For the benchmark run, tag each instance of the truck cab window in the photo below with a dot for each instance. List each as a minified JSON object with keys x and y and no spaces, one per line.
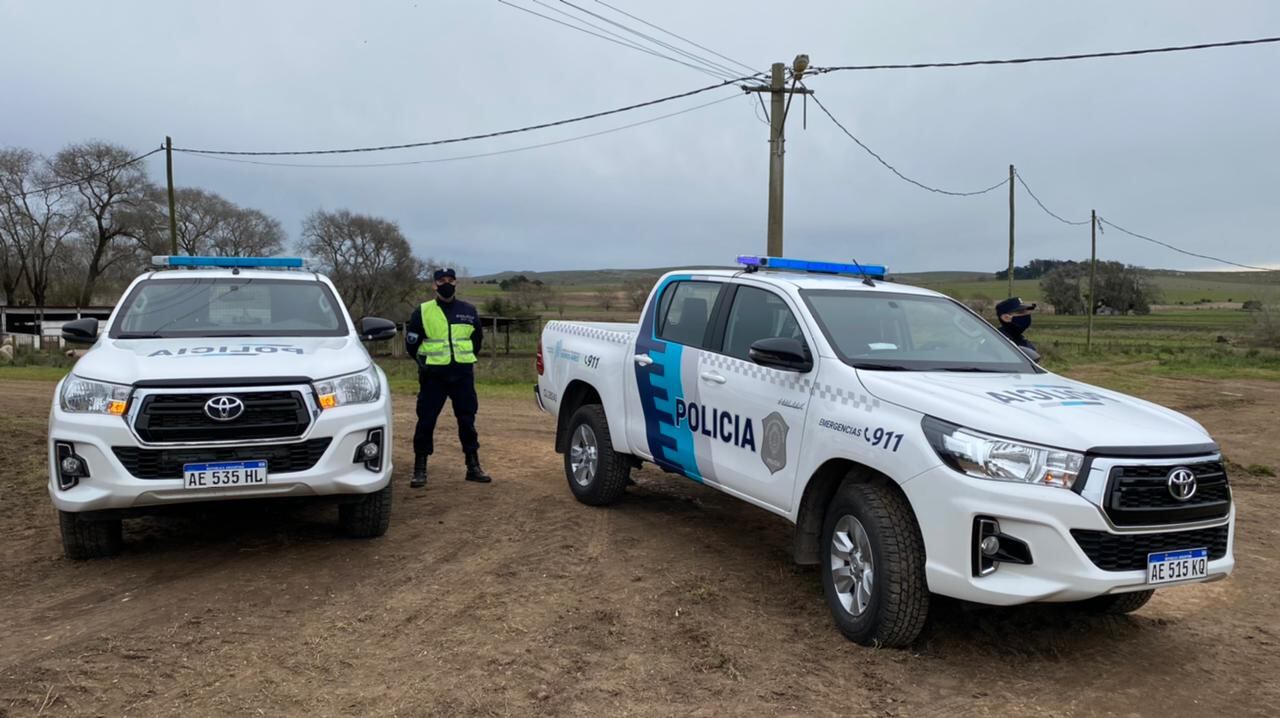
{"x":757,"y":314}
{"x":685,"y":311}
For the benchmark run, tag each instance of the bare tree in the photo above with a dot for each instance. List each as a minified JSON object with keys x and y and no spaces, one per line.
{"x":34,"y":223}
{"x":605,"y":298}
{"x":247,"y":233}
{"x":368,"y":259}
{"x":637,"y":292}
{"x":109,"y":197}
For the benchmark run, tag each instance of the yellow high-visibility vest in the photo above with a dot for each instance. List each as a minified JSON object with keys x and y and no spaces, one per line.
{"x":444,"y":342}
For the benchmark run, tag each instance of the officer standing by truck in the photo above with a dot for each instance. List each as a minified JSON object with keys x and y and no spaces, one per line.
{"x":1015,"y":320}
{"x":444,"y":336}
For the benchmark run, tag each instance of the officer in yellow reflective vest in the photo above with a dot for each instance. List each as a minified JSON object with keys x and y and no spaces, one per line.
{"x":444,"y":336}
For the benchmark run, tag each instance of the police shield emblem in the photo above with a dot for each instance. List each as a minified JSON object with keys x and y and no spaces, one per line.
{"x":773,"y":450}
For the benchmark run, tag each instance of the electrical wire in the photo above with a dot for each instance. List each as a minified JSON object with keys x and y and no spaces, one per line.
{"x":1046,"y":209}
{"x":78,"y":180}
{"x":704,"y":48}
{"x":894,"y":170}
{"x":692,"y":56}
{"x":1055,"y":58}
{"x":620,"y":41}
{"x":1112,"y":225}
{"x":477,"y":155}
{"x":468,"y":138}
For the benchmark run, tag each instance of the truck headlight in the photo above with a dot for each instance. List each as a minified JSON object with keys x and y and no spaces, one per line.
{"x":990,"y":457}
{"x":86,"y":396}
{"x":361,"y":387}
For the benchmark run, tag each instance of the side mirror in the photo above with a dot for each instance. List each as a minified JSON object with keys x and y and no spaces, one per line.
{"x":377,"y":329}
{"x":1032,"y":354}
{"x":80,"y":331}
{"x":781,"y":353}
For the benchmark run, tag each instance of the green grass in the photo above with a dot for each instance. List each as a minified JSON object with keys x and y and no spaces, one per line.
{"x":33,"y":373}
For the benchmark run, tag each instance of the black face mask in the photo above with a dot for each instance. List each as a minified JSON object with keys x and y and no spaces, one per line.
{"x":1023,"y":322}
{"x":446,"y":291}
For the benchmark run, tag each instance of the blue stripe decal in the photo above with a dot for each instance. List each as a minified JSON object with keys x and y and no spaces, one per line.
{"x":660,"y":385}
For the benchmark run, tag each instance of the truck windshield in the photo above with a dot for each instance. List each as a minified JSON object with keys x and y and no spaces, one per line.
{"x":252,"y":307}
{"x":911,"y":332}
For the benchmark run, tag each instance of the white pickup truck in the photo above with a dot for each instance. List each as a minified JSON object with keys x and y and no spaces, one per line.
{"x":217,"y":379}
{"x":916,"y":450}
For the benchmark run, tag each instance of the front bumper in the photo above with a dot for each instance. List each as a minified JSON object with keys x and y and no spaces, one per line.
{"x":111,"y":486}
{"x":947,"y":503}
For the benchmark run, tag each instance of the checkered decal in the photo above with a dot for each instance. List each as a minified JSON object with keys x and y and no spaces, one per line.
{"x":846,"y":397}
{"x":787,"y":380}
{"x":590,"y":332}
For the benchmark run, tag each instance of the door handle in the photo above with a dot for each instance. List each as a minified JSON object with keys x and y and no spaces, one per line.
{"x":712,"y":377}
{"x":643,"y":359}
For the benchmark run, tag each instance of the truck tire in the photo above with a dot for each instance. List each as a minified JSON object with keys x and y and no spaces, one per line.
{"x":1117,"y":604}
{"x":85,"y":538}
{"x":873,"y":566}
{"x":596,"y":473}
{"x":369,"y":517}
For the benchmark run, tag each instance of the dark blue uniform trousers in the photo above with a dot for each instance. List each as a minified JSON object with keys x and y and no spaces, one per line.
{"x":434,"y":387}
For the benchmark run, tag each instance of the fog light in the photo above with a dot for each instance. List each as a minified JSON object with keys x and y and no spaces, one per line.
{"x":990,"y":545}
{"x":70,"y":466}
{"x":369,"y":452}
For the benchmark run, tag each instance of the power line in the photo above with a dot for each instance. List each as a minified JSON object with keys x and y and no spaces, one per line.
{"x":1056,"y":58}
{"x":481,"y":154}
{"x":693,"y":56}
{"x":894,"y":170}
{"x":78,"y":180}
{"x":621,"y":41}
{"x":704,"y":48}
{"x":1103,"y":220}
{"x":1046,"y":209}
{"x":469,"y":138}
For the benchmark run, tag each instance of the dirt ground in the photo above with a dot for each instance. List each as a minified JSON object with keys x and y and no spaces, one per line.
{"x":513,"y":599}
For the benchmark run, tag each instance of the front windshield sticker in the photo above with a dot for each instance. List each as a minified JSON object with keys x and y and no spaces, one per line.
{"x":1049,"y":395}
{"x":228,"y":350}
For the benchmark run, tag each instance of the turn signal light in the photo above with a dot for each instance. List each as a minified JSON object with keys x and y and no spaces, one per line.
{"x":116,"y":408}
{"x":328,"y":401}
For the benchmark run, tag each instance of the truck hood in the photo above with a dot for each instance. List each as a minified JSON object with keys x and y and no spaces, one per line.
{"x":128,"y":361}
{"x":1039,"y":408}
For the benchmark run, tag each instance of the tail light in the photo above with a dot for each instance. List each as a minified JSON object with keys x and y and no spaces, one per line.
{"x":538,"y":360}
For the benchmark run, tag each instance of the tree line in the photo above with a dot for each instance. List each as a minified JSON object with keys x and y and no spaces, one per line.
{"x":77,"y":226}
{"x":1119,"y":287}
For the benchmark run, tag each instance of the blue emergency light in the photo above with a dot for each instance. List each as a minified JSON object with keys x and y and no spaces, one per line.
{"x":753,"y":262}
{"x":230,"y":262}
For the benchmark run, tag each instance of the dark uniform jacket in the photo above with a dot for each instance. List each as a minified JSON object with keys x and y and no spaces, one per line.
{"x":1009,"y":331}
{"x":457,"y":312}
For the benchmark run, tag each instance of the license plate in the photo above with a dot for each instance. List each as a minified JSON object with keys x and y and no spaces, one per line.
{"x":1169,"y":566}
{"x":226,"y":474}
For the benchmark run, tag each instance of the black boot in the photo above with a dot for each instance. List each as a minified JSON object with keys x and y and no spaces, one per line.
{"x":419,"y":473}
{"x":474,"y":472}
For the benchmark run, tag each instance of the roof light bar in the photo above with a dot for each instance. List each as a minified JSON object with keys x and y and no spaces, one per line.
{"x":875,"y":271}
{"x":231,"y":262}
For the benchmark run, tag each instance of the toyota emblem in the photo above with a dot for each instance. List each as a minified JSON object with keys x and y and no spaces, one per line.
{"x":226,"y":408}
{"x":1182,"y":483}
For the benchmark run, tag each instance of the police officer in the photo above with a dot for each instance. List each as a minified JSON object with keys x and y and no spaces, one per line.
{"x":444,"y":336}
{"x":1015,"y":320}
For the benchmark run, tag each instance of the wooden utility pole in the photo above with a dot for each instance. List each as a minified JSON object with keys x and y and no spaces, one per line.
{"x":778,"y":91}
{"x":1011,"y":181}
{"x":173,"y":219}
{"x":777,"y":146}
{"x":1093,"y":272}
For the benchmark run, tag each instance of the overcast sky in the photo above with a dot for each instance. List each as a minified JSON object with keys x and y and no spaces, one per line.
{"x":1182,"y":147}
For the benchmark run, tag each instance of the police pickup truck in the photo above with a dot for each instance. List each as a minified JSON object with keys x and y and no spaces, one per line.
{"x":220,"y":378}
{"x":916,"y":450}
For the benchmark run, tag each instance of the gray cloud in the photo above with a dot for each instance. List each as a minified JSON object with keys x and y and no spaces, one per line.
{"x":1182,"y":147}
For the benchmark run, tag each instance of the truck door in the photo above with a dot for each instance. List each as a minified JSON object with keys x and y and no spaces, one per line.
{"x":673,"y":332}
{"x":753,"y":415}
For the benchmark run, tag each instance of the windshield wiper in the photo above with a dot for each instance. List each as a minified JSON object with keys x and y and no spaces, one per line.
{"x":139,"y":335}
{"x":880,"y":367}
{"x":976,"y":369}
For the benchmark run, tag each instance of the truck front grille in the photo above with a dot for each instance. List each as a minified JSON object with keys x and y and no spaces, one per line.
{"x":1128,"y":552}
{"x":178,"y":418}
{"x":167,"y":463}
{"x":1139,"y":495}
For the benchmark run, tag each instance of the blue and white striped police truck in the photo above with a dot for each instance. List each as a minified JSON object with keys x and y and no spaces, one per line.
{"x":916,"y":449}
{"x":217,"y":379}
